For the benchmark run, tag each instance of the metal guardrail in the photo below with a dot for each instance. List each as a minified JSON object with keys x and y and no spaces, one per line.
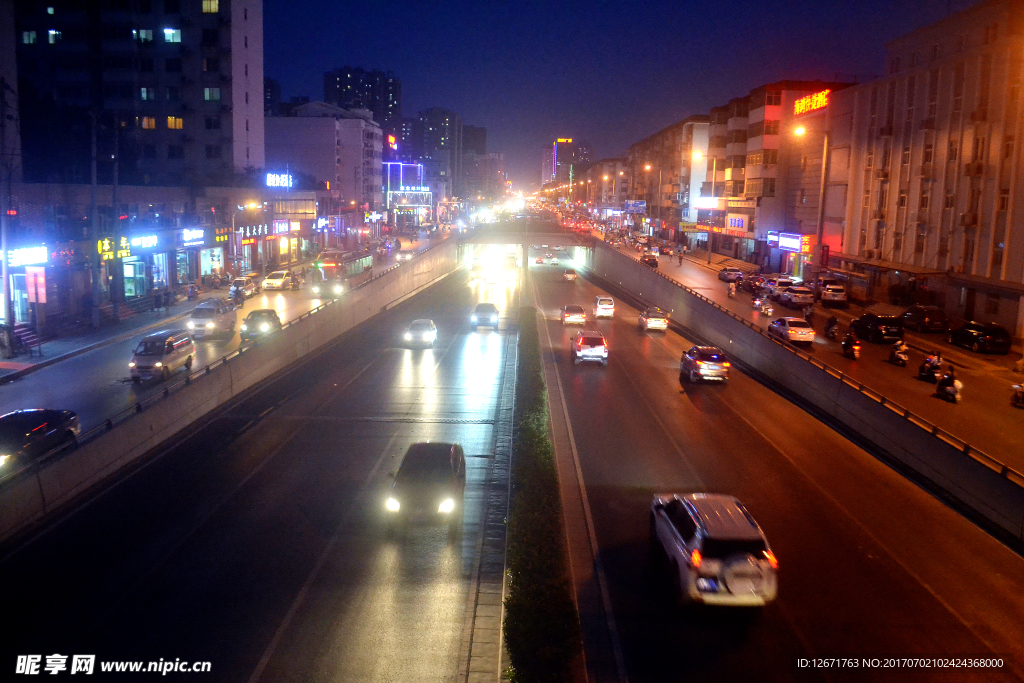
{"x":956,"y":442}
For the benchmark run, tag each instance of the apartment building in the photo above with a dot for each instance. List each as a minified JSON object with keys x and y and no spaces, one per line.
{"x":607,"y":183}
{"x":373,"y":89}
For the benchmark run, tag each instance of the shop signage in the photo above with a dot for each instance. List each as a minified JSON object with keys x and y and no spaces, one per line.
{"x":248,"y":240}
{"x":221,"y":234}
{"x":706,"y":202}
{"x":809,"y":103}
{"x":790,"y":241}
{"x":374,"y":216}
{"x":414,"y":188}
{"x":295,"y":226}
{"x":250,"y":231}
{"x":110,"y":248}
{"x":35,"y":281}
{"x":191,"y":237}
{"x":564,"y":139}
{"x":27,"y":256}
{"x":279,"y":180}
{"x":773,"y":238}
{"x":321,"y":223}
{"x":806,"y":243}
{"x":735,"y":222}
{"x":280,"y":226}
{"x":635,"y":206}
{"x":143,"y":242}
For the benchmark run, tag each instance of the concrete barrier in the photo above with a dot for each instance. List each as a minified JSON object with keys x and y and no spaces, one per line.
{"x":975,"y":479}
{"x":104,"y":451}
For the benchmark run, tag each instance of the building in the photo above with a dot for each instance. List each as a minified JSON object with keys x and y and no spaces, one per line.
{"x":175,"y":89}
{"x":563,"y":156}
{"x":335,"y":146}
{"x":354,"y":88}
{"x":441,"y":142}
{"x":607,"y":182}
{"x":407,"y":196}
{"x":547,"y":172}
{"x":474,"y":140}
{"x":271,"y":97}
{"x":483,"y":176}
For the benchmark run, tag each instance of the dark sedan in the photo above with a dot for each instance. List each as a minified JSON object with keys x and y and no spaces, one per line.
{"x":925,"y":319}
{"x":981,"y":337}
{"x":878,"y":328}
{"x":260,"y":322}
{"x":28,"y":434}
{"x":650,"y":260}
{"x":751,"y":283}
{"x":429,"y":486}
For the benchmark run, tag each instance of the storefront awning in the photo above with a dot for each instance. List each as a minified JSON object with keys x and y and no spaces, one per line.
{"x":882,"y":264}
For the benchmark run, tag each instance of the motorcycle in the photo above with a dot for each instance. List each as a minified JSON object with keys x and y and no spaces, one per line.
{"x":851,"y":349}
{"x":832,"y":332}
{"x":193,"y":292}
{"x":950,"y":392}
{"x":1017,"y":398}
{"x":898,"y":357}
{"x":930,"y":370}
{"x":766,"y":309}
{"x":756,"y":302}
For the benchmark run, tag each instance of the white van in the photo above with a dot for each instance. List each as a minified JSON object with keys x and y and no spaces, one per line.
{"x":604,"y":307}
{"x":160,"y":354}
{"x":213,"y":317}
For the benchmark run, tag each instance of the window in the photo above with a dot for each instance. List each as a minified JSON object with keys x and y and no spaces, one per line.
{"x":949,"y":202}
{"x":1004,"y":199}
{"x":919,"y":241}
{"x":147,"y":94}
{"x":211,"y":36}
{"x":1008,"y":147}
{"x":247,"y":125}
{"x":926,"y":198}
{"x":867,"y":199}
{"x":883,"y":196}
{"x":211,"y":94}
{"x":958,"y":88}
{"x":869,"y":158}
{"x":175,"y":152}
{"x":979,"y":149}
{"x":247,"y":98}
{"x":146,"y":65}
{"x":771,"y":127}
{"x":905,"y":157}
{"x":143,"y":35}
{"x":172,"y":65}
{"x":935,"y":51}
{"x":952,"y":151}
{"x":149,"y":151}
{"x":173,"y":94}
{"x":246,"y":69}
{"x":245,"y":14}
{"x":53,"y":36}
{"x":245,"y":41}
{"x":928,"y":153}
{"x":28,"y":37}
{"x":211,"y":6}
{"x":172,"y":35}
{"x":992,"y":300}
{"x":213,"y":151}
{"x":886,"y":153}
{"x":147,"y":122}
{"x":211,"y":64}
{"x":933,"y":93}
{"x":212,"y":123}
{"x":175,"y":122}
{"x":901,"y":199}
{"x":172,"y":6}
{"x":773,"y":99}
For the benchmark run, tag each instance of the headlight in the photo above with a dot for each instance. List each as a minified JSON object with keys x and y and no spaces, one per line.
{"x":494,"y":318}
{"x":408,"y":336}
{"x":472,"y":318}
{"x":158,"y":364}
{"x":131,"y":364}
{"x":209,"y":326}
{"x":337,"y":289}
{"x":430,"y":336}
{"x":446,"y":506}
{"x":264,"y":327}
{"x":392,"y":505}
{"x":316,"y":290}
{"x":244,"y":327}
{"x":3,"y":459}
{"x":191,"y":325}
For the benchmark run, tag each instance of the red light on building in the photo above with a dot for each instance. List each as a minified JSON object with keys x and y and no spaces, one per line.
{"x":12,"y":212}
{"x":812,"y":102}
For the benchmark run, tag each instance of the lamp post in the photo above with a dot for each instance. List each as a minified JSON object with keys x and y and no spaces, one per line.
{"x":816,"y":263}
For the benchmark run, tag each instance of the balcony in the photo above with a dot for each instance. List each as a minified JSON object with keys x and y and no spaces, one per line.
{"x":974,"y":168}
{"x":881,"y":173}
{"x":878,"y":214}
{"x":885,"y":131}
{"x":969,"y":219}
{"x":928,"y":124}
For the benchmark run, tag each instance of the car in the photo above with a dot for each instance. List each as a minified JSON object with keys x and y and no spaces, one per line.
{"x":261,"y":322}
{"x":775,"y":286}
{"x":161,"y":353}
{"x":569,"y":275}
{"x":649,"y":260}
{"x":717,"y":553}
{"x":404,"y":255}
{"x":589,"y":346}
{"x":257,"y":281}
{"x":981,"y":337}
{"x":476,"y":271}
{"x":729,"y":274}
{"x":821,"y":283}
{"x":422,"y":332}
{"x":25,"y":435}
{"x":555,"y":261}
{"x":878,"y":328}
{"x":484,"y":315}
{"x":428,"y":486}
{"x":925,"y":319}
{"x":244,"y":285}
{"x":212,"y":317}
{"x":703,"y":363}
{"x":795,"y":330}
{"x":832,"y":295}
{"x":796,"y":296}
{"x":604,"y":307}
{"x":751,"y":283}
{"x":653,"y":318}
{"x":279,"y":279}
{"x":573,"y":314}
{"x":323,"y":289}
{"x":539,"y":260}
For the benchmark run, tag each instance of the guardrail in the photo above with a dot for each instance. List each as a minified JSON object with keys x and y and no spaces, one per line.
{"x":966,"y":448}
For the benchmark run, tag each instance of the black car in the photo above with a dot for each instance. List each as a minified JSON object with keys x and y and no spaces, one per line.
{"x":261,"y":322}
{"x":751,"y":283}
{"x":650,"y":260}
{"x":925,"y":319}
{"x":484,"y":315}
{"x":28,"y":434}
{"x":429,"y":485}
{"x":983,"y":337}
{"x":878,"y":328}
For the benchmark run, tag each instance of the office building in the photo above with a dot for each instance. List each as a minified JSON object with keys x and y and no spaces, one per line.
{"x":440,"y":142}
{"x":373,"y":89}
{"x":474,"y":139}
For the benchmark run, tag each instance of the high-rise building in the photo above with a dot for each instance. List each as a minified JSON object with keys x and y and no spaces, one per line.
{"x":441,"y":141}
{"x":175,"y":89}
{"x":563,"y":156}
{"x":474,"y":139}
{"x":547,"y":172}
{"x":484,"y":176}
{"x":666,"y":170}
{"x":354,"y":88}
{"x":271,"y":97}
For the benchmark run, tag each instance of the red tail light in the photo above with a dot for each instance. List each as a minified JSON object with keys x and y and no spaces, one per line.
{"x":770,"y":556}
{"x":726,"y":364}
{"x":695,"y":559}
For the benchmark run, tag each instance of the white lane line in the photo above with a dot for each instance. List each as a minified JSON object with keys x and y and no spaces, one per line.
{"x":602,"y":581}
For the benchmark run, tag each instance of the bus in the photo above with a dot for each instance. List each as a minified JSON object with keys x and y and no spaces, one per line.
{"x":336,"y":272}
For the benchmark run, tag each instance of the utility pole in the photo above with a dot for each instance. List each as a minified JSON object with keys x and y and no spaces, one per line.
{"x":94,"y":228}
{"x":7,"y":166}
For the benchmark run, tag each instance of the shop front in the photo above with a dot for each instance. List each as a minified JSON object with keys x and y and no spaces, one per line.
{"x":791,"y":253}
{"x":193,"y":257}
{"x":27,"y":268}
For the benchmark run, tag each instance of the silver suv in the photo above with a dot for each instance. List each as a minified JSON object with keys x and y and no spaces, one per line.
{"x":589,"y":346}
{"x":717,"y":552}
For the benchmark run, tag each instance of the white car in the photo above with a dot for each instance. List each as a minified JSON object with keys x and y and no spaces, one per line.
{"x":404,"y":255}
{"x":795,"y":330}
{"x":796,"y":296}
{"x":775,"y":286}
{"x":604,"y":307}
{"x":717,"y":553}
{"x":730,"y":274}
{"x":589,"y":346}
{"x":420,"y":332}
{"x":569,"y":275}
{"x":279,"y":279}
{"x":244,"y":285}
{"x":833,"y":295}
{"x":653,"y":318}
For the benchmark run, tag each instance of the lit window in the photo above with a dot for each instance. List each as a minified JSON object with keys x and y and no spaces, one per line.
{"x":172,"y":35}
{"x":211,"y":6}
{"x":148,"y":122}
{"x":28,"y":37}
{"x":54,"y":35}
{"x":211,"y":94}
{"x":147,"y":94}
{"x":49,"y":10}
{"x":144,"y":35}
{"x":175,"y":122}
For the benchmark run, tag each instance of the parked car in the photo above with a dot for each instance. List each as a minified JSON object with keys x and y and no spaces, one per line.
{"x":421,"y":332}
{"x":653,"y":318}
{"x":925,"y":319}
{"x":650,"y":260}
{"x":213,"y":317}
{"x":717,"y":553}
{"x":569,"y":275}
{"x":161,"y":353}
{"x":278,"y":280}
{"x":774,"y":286}
{"x":589,"y":346}
{"x":259,"y":323}
{"x":428,"y":486}
{"x":878,"y":328}
{"x":257,"y":280}
{"x":796,"y":296}
{"x":981,"y":337}
{"x":751,"y":283}
{"x":821,"y":283}
{"x":729,"y":274}
{"x":604,"y":307}
{"x":833,"y":295}
{"x":703,"y":362}
{"x":244,"y":285}
{"x":795,"y":330}
{"x":28,"y":434}
{"x":573,"y":314}
{"x":484,"y":315}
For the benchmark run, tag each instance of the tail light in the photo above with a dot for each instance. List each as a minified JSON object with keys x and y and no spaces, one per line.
{"x":770,"y":556}
{"x":726,"y":364}
{"x":698,"y":362}
{"x":695,"y":559}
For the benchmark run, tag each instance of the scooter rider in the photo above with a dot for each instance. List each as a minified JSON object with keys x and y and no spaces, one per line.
{"x":731,"y":289}
{"x":849,"y":341}
{"x":948,"y":381}
{"x":900,"y":347}
{"x":831,"y":324}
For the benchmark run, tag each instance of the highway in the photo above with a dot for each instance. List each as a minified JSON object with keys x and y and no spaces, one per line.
{"x":870,"y":564}
{"x":258,"y":544}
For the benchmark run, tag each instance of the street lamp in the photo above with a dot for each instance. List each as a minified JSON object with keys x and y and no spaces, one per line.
{"x":816,"y":263}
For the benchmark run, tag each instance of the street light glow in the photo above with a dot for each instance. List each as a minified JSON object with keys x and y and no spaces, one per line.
{"x":647,"y":167}
{"x":800,"y":130}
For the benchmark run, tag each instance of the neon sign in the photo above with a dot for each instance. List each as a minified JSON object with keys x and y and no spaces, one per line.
{"x":191,"y":237}
{"x":280,"y":226}
{"x":279,"y":180}
{"x":144,"y":242}
{"x":812,"y":102}
{"x":27,"y":256}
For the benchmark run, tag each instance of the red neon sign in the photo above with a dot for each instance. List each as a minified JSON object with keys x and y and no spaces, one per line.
{"x":812,"y":102}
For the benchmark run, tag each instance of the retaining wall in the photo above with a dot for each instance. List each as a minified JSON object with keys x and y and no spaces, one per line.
{"x":106,"y":450}
{"x":979,"y":481}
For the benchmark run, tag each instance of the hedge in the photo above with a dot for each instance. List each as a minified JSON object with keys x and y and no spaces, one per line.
{"x":542,"y":629}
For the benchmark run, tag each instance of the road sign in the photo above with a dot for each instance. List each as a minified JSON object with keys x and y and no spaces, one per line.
{"x":635,"y":206}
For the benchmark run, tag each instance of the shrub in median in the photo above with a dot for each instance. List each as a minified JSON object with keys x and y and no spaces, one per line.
{"x":542,"y":630}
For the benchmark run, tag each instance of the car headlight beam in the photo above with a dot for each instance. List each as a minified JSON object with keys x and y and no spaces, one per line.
{"x":264,"y":327}
{"x":392,"y":505}
{"x":446,"y":506}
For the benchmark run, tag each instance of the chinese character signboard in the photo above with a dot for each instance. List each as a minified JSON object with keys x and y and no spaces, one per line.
{"x":111,"y":248}
{"x":809,"y":103}
{"x":789,"y":241}
{"x":35,"y":281}
{"x":635,"y":206}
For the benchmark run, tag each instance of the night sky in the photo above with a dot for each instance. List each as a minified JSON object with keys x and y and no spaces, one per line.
{"x":610,"y":73}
